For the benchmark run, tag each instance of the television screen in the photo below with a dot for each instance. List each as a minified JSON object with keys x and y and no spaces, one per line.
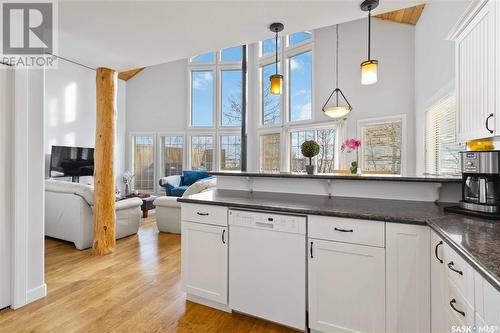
{"x":71,"y":161}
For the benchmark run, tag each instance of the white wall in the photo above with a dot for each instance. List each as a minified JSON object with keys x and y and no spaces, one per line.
{"x":70,"y":112}
{"x":434,"y":62}
{"x":157,"y":97}
{"x":6,"y":91}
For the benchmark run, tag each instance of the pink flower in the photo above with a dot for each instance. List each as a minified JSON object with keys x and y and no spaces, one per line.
{"x":350,"y":145}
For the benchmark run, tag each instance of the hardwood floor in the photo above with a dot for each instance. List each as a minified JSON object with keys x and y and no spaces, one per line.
{"x":135,"y":289}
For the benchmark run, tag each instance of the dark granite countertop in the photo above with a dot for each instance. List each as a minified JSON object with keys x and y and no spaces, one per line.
{"x":475,"y":239}
{"x":343,"y":176}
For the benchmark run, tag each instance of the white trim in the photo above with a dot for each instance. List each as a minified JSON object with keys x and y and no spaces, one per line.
{"x":470,"y":13}
{"x":383,"y":120}
{"x":131,"y":156}
{"x":36,"y":293}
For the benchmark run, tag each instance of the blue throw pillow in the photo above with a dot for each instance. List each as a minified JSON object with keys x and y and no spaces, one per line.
{"x":178,"y":191}
{"x":192,"y":176}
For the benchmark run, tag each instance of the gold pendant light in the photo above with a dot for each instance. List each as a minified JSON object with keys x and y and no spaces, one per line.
{"x":337,"y":106}
{"x":369,"y":67}
{"x":276,"y":79}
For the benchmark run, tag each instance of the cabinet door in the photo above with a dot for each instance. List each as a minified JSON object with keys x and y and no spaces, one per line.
{"x":438,"y":314}
{"x":475,"y":70}
{"x":346,"y":287}
{"x":204,"y":261}
{"x":487,"y":302}
{"x":408,"y":278}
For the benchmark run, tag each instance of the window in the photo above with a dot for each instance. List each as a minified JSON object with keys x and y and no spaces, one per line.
{"x":202,"y":152}
{"x":202,"y":94}
{"x":230,"y":152}
{"x":298,"y":37}
{"x":231,"y":91}
{"x":271,"y":104}
{"x":300,"y":83}
{"x":297,"y":161}
{"x":441,"y":147}
{"x":381,"y":147}
{"x":172,"y":147}
{"x":207,"y":58}
{"x":143,"y":162}
{"x":268,"y":46}
{"x":270,"y":152}
{"x":232,"y":54}
{"x":325,"y":159}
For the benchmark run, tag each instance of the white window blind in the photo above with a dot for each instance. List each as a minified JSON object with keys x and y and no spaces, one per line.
{"x":441,"y":148}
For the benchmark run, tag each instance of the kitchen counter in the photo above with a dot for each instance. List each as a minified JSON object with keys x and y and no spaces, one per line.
{"x":343,"y":176}
{"x":477,"y":240}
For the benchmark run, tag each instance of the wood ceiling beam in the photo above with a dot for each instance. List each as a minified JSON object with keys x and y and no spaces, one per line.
{"x":127,"y":75}
{"x":409,"y":15}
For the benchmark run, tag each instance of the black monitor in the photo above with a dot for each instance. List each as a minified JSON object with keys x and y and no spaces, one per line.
{"x":71,"y":162}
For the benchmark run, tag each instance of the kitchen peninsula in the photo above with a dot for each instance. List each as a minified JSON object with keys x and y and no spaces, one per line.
{"x":393,"y":262}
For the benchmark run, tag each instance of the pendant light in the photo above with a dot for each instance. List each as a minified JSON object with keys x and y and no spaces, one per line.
{"x":369,"y":67}
{"x":337,"y":105}
{"x":276,"y":79}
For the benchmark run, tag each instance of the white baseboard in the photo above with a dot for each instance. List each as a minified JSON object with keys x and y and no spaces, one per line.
{"x":36,"y":293}
{"x":206,"y":302}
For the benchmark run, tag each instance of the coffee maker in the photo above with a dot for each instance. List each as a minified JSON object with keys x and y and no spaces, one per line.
{"x":481,"y":182}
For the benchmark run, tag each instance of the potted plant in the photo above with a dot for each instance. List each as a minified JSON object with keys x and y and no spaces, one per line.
{"x":349,"y":146}
{"x":310,"y":149}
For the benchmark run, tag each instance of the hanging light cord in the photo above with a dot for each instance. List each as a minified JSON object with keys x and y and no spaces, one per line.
{"x":276,"y":51}
{"x":369,"y":30}
{"x":337,"y":64}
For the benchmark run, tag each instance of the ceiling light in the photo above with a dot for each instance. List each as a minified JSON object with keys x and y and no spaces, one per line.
{"x":369,"y":67}
{"x":276,"y":79}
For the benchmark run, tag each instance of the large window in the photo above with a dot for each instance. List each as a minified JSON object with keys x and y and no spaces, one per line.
{"x":270,"y":152}
{"x":230,"y":152}
{"x":202,"y":94}
{"x":232,"y":54}
{"x":268,"y":47}
{"x":300,"y":83}
{"x":381,"y":146}
{"x":298,"y":37}
{"x":206,"y":58}
{"x":202,"y":152}
{"x":231,"y":97}
{"x":441,"y":147}
{"x":143,"y":159}
{"x":172,"y":147}
{"x":271,"y":104}
{"x":324,"y":161}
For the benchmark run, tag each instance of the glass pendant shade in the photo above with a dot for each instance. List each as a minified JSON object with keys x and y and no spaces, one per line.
{"x":336,"y":105}
{"x":276,"y":84}
{"x":369,"y":72}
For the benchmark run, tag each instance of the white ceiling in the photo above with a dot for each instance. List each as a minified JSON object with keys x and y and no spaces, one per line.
{"x":128,"y":34}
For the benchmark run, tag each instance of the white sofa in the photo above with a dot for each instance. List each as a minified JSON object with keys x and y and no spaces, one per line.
{"x":168,"y":210}
{"x":68,"y":213}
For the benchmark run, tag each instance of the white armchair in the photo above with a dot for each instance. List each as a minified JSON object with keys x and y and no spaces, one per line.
{"x":168,"y":210}
{"x":69,"y":216}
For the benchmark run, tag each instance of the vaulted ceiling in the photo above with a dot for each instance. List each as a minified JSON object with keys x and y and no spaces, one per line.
{"x":409,"y":15}
{"x":125,"y":35}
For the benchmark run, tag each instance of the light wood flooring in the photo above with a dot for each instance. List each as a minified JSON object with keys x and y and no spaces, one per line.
{"x":135,"y":289}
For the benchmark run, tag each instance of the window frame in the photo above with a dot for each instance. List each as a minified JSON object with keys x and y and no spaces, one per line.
{"x":160,"y":152}
{"x":131,"y":158}
{"x":219,"y":150}
{"x":221,"y":68}
{"x":229,"y":63}
{"x":288,"y":45}
{"x":201,"y":68}
{"x":191,"y":62}
{"x":385,"y":120}
{"x":295,"y":51}
{"x":215,"y":163}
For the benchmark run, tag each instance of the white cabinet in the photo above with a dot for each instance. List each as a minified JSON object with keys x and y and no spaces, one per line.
{"x":408,"y":278}
{"x":204,"y":266}
{"x":476,"y":55}
{"x":346,"y":287}
{"x":438,"y":313}
{"x":487,"y":300}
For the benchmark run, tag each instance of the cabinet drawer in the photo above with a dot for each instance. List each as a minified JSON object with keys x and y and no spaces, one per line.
{"x":207,"y":214}
{"x":458,"y":272}
{"x":347,"y":230}
{"x":459,"y":312}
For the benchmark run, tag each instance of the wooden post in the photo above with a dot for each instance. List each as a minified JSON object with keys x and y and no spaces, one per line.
{"x":104,"y":179}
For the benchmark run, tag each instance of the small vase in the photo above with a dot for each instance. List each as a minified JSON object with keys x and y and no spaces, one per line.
{"x":310,"y":169}
{"x":354,"y":170}
{"x":126,"y":189}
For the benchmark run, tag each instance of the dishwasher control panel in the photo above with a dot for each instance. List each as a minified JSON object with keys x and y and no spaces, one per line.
{"x":270,"y":221}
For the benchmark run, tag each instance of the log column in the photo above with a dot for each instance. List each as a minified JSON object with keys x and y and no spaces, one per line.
{"x":104,"y":179}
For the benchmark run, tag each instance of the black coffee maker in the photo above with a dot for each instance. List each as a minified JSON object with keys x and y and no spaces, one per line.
{"x":481,"y":181}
